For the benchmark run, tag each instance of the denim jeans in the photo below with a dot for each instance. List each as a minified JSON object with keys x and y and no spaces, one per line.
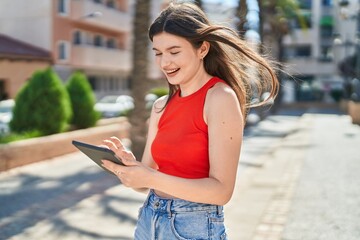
{"x":176,"y":219}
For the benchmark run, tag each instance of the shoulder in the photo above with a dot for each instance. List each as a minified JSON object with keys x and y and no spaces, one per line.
{"x":158,"y":107}
{"x":160,"y":103}
{"x":221,"y":93}
{"x":222,"y":102}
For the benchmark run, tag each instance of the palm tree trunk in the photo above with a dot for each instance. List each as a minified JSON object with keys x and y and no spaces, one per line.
{"x":139,"y":81}
{"x":241,"y":12}
{"x":199,"y":3}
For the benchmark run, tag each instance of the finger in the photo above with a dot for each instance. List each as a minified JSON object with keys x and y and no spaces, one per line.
{"x":110,"y":144}
{"x":117,"y":142}
{"x":113,"y":167}
{"x":128,"y":158}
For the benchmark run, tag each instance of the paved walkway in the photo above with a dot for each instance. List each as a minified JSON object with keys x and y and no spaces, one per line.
{"x":70,"y":198}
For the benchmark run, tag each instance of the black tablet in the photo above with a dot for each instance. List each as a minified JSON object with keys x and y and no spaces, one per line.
{"x":97,"y":153}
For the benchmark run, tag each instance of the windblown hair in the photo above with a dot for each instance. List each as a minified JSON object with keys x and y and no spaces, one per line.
{"x":229,"y":58}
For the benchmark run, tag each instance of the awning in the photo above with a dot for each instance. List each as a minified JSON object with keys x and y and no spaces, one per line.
{"x":327,"y":21}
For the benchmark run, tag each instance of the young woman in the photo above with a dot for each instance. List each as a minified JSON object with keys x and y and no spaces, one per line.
{"x":195,"y":133}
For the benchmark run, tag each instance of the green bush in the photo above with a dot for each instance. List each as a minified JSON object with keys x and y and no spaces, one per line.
{"x":42,"y":104}
{"x":160,"y":91}
{"x":82,"y":101}
{"x":12,"y":137}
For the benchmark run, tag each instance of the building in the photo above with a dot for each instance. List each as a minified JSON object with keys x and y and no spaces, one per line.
{"x":18,"y":61}
{"x":93,"y":36}
{"x":312,"y":55}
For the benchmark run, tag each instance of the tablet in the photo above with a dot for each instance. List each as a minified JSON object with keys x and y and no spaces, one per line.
{"x":97,"y":153}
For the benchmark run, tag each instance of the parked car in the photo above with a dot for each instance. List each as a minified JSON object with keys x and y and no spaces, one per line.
{"x":6,"y":107}
{"x":114,"y":105}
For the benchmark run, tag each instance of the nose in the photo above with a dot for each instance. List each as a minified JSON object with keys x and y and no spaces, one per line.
{"x":165,"y":61}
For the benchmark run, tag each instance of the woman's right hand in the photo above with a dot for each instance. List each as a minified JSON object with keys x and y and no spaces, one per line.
{"x":134,"y":174}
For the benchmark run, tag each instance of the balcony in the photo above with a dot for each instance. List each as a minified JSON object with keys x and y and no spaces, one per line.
{"x":87,"y":56}
{"x":111,"y":18}
{"x":309,"y":66}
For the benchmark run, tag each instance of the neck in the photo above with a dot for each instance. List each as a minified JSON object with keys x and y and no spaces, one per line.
{"x":194,"y":85}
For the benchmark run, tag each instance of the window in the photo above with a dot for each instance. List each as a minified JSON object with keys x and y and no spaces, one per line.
{"x":110,"y":43}
{"x":93,"y":82}
{"x":304,"y":20}
{"x":77,"y":38}
{"x":3,"y":94}
{"x":63,"y":7}
{"x":305,"y":4}
{"x":110,"y":3}
{"x":63,"y":49}
{"x":326,"y":32}
{"x":325,"y":54}
{"x":327,"y":3}
{"x":303,"y":51}
{"x":98,"y":41}
{"x":297,"y":51}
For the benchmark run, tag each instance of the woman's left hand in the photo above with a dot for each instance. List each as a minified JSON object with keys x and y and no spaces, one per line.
{"x":134,"y":174}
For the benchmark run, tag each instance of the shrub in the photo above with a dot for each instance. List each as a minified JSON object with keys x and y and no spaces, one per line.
{"x":12,"y":137}
{"x":159,"y":91}
{"x":82,"y":101}
{"x":42,"y":104}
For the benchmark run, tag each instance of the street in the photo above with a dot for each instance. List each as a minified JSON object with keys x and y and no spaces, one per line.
{"x":297,"y":179}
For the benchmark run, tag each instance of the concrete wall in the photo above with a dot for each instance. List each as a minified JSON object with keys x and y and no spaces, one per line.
{"x":38,"y":149}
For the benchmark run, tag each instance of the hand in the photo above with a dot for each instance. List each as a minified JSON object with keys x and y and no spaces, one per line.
{"x":134,"y":174}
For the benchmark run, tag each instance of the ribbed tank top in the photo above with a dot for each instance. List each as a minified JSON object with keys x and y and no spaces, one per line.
{"x":180,"y":147}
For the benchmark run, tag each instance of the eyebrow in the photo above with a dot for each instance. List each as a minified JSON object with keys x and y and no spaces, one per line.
{"x":168,"y":49}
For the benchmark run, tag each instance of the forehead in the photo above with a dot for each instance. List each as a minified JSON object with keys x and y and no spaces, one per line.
{"x":165,"y":40}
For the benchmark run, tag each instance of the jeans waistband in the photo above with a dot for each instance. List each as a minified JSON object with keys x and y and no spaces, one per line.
{"x":178,"y":205}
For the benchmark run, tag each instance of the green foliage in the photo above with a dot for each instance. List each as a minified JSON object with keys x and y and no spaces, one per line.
{"x":12,"y":137}
{"x":82,"y":101}
{"x":42,"y":104}
{"x":160,"y":91}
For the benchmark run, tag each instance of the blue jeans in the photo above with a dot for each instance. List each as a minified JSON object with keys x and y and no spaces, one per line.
{"x":171,"y":219}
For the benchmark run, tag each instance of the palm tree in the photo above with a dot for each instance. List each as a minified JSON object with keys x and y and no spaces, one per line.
{"x":274,"y":25}
{"x":241,"y":12}
{"x":139,"y":81}
{"x":199,"y":3}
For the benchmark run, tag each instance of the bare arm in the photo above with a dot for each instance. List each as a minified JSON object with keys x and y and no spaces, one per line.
{"x":225,"y":126}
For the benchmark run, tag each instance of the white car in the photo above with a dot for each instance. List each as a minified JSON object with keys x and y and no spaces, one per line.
{"x":114,"y":106}
{"x":6,"y":107}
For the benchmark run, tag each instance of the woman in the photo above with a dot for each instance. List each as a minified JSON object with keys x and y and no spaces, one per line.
{"x":195,"y":133}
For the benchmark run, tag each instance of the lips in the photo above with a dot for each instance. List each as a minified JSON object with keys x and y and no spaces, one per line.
{"x":172,"y":71}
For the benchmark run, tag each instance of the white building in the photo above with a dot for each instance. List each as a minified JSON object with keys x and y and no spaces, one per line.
{"x":312,"y":55}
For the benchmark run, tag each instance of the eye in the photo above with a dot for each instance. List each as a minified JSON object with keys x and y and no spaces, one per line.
{"x":174,"y":53}
{"x":158,"y":53}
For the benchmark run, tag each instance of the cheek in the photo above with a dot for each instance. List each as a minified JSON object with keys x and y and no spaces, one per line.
{"x":158,"y":61}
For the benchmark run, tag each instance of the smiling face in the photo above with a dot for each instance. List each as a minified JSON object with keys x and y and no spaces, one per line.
{"x":178,"y":59}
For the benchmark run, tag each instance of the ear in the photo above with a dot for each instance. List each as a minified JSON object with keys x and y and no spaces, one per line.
{"x":204,"y":49}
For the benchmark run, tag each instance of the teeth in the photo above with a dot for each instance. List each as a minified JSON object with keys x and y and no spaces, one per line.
{"x":171,"y":71}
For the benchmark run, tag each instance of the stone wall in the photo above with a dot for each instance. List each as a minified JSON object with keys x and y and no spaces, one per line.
{"x":28,"y":151}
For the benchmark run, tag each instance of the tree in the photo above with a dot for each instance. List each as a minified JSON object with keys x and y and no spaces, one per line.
{"x":42,"y":105}
{"x":139,"y":115}
{"x":241,"y":12}
{"x":274,"y":25}
{"x":82,"y":101}
{"x":199,"y":3}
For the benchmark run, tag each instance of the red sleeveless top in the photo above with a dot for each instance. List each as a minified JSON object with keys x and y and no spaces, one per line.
{"x":180,"y":147}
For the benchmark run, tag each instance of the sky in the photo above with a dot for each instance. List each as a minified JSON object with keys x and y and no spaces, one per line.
{"x":227,"y":2}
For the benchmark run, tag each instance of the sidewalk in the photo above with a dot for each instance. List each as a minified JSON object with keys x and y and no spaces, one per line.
{"x":307,"y":189}
{"x":58,"y":199}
